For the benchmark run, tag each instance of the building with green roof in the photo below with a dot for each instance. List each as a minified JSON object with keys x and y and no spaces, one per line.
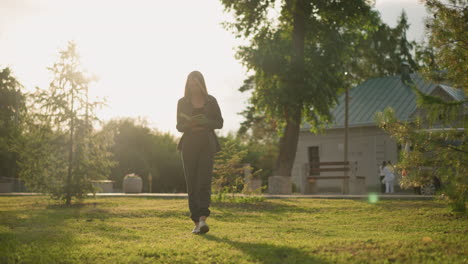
{"x":368,"y":145}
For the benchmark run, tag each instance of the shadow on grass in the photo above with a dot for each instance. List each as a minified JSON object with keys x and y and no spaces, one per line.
{"x":37,"y":234}
{"x":268,"y":253}
{"x":409,"y":204}
{"x":144,"y":197}
{"x":232,"y":210}
{"x":49,"y":232}
{"x":264,"y":206}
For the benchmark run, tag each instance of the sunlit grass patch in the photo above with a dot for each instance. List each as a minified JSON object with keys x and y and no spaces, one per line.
{"x":149,"y":230}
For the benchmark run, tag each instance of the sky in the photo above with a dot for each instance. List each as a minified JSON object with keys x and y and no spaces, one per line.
{"x":142,"y":50}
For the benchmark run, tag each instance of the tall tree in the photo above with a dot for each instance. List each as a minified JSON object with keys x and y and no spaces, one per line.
{"x":382,"y":51}
{"x":297,"y":58}
{"x":62,"y":126}
{"x":12,"y":107}
{"x":405,"y":48}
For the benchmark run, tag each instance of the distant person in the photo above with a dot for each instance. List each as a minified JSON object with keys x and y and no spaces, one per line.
{"x":198,"y":114}
{"x":382,"y":175}
{"x":390,"y":165}
{"x":389,"y":178}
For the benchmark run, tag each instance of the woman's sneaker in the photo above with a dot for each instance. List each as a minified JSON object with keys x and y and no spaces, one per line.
{"x":203,"y":227}
{"x":196,"y":229}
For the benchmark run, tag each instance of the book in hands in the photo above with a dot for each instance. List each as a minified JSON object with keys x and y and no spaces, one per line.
{"x":199,"y":119}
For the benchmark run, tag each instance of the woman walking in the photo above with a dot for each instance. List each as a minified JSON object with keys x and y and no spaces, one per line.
{"x":198,"y":114}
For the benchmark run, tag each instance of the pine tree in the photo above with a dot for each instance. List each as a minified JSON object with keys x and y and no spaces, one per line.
{"x":61,"y":153}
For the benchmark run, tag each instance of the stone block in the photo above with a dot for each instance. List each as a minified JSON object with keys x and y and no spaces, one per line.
{"x":132,"y":184}
{"x":279,"y":185}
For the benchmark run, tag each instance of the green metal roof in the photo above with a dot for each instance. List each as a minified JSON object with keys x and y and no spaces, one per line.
{"x":376,"y":94}
{"x":457,"y":94}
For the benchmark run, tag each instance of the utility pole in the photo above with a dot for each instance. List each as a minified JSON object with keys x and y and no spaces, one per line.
{"x":345,"y":158}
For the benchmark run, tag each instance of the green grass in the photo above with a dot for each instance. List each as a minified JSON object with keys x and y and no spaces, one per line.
{"x":155,"y":230}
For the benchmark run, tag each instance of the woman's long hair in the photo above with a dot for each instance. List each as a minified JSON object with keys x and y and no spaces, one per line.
{"x":195,"y":76}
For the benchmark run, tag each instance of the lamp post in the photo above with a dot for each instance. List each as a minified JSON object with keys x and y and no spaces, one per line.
{"x":345,"y":158}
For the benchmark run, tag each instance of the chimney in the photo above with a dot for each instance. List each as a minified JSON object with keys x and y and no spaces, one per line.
{"x":405,"y":72}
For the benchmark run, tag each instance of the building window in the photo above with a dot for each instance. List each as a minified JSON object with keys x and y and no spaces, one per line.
{"x":314,"y":161}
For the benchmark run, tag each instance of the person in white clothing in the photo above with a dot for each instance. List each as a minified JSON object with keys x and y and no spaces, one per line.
{"x":389,"y":179}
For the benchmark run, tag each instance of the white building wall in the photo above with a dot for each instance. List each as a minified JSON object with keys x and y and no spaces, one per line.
{"x":369,"y":146}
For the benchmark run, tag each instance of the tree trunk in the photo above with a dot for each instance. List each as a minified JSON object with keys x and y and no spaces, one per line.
{"x":288,"y":145}
{"x":70,"y":154}
{"x":288,"y":141}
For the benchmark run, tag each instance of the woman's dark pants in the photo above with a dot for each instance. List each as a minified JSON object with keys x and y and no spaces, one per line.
{"x":197,"y":157}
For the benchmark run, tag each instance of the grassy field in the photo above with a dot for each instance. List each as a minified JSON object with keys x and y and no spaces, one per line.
{"x":155,"y":230}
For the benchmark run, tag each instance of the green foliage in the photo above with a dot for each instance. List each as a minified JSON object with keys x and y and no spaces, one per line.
{"x":261,"y":155}
{"x":12,"y":110}
{"x":443,"y":59}
{"x":143,"y":151}
{"x":337,"y":54}
{"x":250,"y":16}
{"x":228,"y":171}
{"x":59,"y":152}
{"x":438,"y":111}
{"x":369,"y":51}
{"x":270,"y":57}
{"x":239,"y":155}
{"x":446,"y":51}
{"x":439,"y":153}
{"x":404,"y":48}
{"x":382,"y":50}
{"x":256,"y":125}
{"x":42,"y":162}
{"x":429,"y":154}
{"x":338,"y":40}
{"x":302,"y":54}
